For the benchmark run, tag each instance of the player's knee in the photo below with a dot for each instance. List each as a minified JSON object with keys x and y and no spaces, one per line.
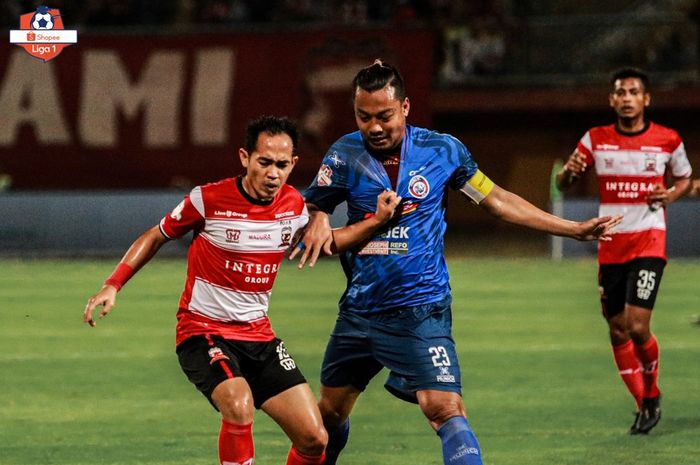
{"x":312,"y":442}
{"x":333,"y":414}
{"x":618,"y":334}
{"x":238,"y":409}
{"x":639,"y":331}
{"x":438,"y":413}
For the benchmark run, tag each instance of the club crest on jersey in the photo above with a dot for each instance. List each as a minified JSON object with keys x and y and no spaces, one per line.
{"x":286,"y":236}
{"x":324,"y":176}
{"x":233,"y":235}
{"x":216,"y":354}
{"x":650,"y":162}
{"x":418,"y":187}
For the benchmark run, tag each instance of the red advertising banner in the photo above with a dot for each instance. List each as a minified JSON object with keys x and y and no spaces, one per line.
{"x":155,"y":111}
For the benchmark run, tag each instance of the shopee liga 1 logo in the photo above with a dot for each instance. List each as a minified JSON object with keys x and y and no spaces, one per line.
{"x":41,"y":33}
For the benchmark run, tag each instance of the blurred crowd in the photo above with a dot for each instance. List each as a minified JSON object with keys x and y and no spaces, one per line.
{"x":478,"y":38}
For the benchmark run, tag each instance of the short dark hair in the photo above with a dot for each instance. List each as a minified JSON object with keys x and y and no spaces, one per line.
{"x":377,"y":76}
{"x":625,"y":73}
{"x":272,"y":125}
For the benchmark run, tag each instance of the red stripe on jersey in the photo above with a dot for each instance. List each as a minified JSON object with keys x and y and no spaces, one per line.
{"x":191,"y":324}
{"x":626,"y":189}
{"x":627,"y":246}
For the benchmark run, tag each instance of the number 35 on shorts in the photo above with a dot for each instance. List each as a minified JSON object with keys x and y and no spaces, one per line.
{"x":645,"y":284}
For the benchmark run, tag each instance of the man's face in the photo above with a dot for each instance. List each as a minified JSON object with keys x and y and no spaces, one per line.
{"x":629,"y":98}
{"x":268,"y":167}
{"x":381,"y":118}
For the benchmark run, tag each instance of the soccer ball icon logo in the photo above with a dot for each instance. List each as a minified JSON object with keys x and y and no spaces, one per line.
{"x":42,"y":18}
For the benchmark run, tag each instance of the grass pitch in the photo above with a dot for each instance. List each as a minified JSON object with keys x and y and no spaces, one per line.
{"x":539,"y":382}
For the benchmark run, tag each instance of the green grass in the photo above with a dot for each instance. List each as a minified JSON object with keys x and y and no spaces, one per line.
{"x":539,"y":381}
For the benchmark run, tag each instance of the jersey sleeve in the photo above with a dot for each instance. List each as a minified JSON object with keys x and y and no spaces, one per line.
{"x":680,"y":165}
{"x":187,"y":216}
{"x":331,"y":185}
{"x":465,"y":168}
{"x":585,"y":146}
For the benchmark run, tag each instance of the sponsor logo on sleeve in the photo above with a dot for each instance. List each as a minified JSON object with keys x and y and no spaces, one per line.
{"x":325,"y":176}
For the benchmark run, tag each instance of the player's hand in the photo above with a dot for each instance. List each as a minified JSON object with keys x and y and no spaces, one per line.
{"x":600,"y":229}
{"x":576,"y":164}
{"x":387,"y":202}
{"x":106,"y":297}
{"x":316,"y":238}
{"x":659,"y":197}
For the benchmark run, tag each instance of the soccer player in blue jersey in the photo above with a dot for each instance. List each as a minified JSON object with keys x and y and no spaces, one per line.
{"x":395,"y":312}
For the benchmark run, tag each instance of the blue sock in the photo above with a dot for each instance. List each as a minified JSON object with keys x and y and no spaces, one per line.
{"x":459,"y":445}
{"x":337,"y":438}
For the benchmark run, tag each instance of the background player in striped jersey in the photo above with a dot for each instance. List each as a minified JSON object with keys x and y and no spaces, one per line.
{"x":631,"y":159}
{"x":225,"y":343}
{"x":395,"y":312}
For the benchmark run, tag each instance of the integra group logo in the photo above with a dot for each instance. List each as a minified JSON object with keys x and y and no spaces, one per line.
{"x":41,"y":33}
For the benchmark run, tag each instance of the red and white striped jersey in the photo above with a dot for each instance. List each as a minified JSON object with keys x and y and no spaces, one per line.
{"x":627,"y":167}
{"x":232,"y":263}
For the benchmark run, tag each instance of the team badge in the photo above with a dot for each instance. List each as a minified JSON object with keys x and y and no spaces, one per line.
{"x":324,"y":176}
{"x":216,"y":354}
{"x":42,"y":34}
{"x":650,"y":162}
{"x":286,"y":236}
{"x":418,"y":187}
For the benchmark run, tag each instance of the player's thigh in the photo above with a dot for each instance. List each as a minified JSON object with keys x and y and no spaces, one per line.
{"x":643,"y":280}
{"x":296,"y":411}
{"x":612,"y":284}
{"x":207,"y":362}
{"x":270,"y":370}
{"x":418,"y":348}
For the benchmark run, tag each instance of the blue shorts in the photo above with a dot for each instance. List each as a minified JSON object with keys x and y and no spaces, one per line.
{"x":414,"y":343}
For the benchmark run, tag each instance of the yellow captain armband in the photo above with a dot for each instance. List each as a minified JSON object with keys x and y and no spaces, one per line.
{"x":478,"y":187}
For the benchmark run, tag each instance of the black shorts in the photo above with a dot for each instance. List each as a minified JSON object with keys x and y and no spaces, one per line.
{"x":266,"y":366}
{"x":635,"y":282}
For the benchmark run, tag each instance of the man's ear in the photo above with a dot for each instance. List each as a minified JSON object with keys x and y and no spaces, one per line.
{"x":244,"y":156}
{"x":406,"y":107}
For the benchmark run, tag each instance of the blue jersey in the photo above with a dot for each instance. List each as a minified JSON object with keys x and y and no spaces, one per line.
{"x":403,"y":265}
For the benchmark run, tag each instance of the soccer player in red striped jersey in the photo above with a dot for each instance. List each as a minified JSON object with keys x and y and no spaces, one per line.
{"x":225,"y":343}
{"x":632,"y":159}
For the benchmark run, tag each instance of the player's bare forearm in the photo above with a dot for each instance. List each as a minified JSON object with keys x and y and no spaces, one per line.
{"x":140,"y":252}
{"x":315,"y":239}
{"x":681,"y":188}
{"x":355,"y":234}
{"x":514,"y":209}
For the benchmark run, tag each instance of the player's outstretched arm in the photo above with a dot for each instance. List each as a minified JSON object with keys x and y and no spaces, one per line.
{"x":318,"y":236}
{"x":140,"y":253}
{"x":514,"y":209}
{"x":573,"y":169}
